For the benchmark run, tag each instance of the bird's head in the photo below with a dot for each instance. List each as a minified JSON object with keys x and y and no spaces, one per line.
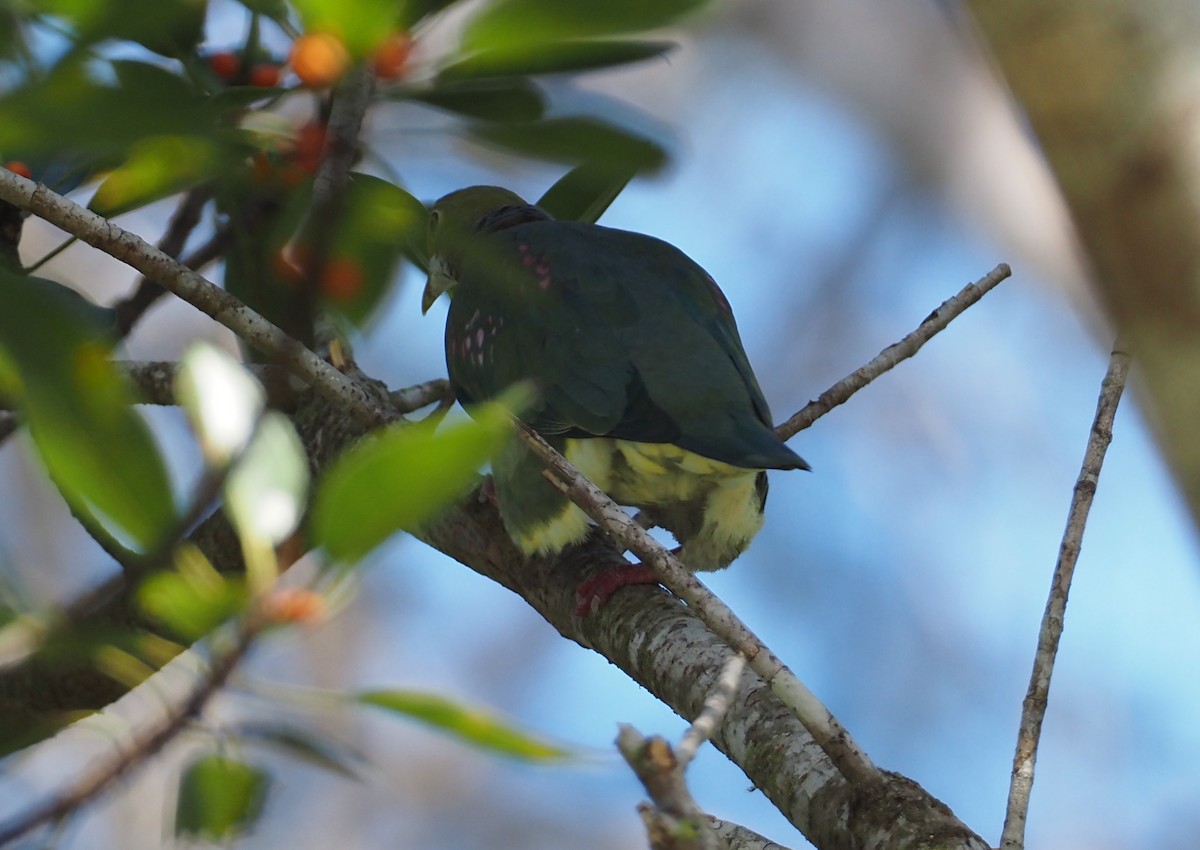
{"x":460,"y":215}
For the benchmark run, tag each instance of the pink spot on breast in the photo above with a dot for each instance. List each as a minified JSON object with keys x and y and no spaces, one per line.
{"x":479,"y":337}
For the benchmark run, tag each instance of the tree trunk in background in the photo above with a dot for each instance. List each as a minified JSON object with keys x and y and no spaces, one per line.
{"x":1111,"y":88}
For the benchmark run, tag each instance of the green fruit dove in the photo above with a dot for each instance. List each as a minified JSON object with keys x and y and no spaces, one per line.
{"x":640,"y":377}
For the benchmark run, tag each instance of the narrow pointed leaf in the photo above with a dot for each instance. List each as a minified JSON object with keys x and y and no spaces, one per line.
{"x":585,"y":192}
{"x":508,"y":23}
{"x":552,"y":58}
{"x":55,"y":362}
{"x":576,"y":140}
{"x":506,"y":100}
{"x":307,"y":745}
{"x":473,"y":726}
{"x":401,"y":479}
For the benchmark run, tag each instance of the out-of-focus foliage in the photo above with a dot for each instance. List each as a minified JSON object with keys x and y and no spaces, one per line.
{"x":55,"y":364}
{"x":219,"y":797}
{"x":124,"y":103}
{"x":401,"y":478}
{"x":475,"y":727}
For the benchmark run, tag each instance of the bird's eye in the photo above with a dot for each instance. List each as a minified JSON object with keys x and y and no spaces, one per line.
{"x":434,"y":218}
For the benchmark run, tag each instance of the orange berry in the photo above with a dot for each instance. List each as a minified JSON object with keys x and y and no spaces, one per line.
{"x":225,"y":65}
{"x":319,"y":59}
{"x":265,"y":76}
{"x":294,"y":605}
{"x":19,"y":168}
{"x":342,"y":279}
{"x":391,"y":57}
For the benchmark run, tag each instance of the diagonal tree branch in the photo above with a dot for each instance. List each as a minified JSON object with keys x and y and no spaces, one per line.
{"x":851,"y":761}
{"x":193,"y":288}
{"x":1034,"y":708}
{"x":146,"y":743}
{"x":894,"y":354}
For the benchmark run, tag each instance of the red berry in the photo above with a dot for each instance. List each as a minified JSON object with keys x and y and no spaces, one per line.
{"x":225,"y":65}
{"x":342,"y":279}
{"x":264,"y":76}
{"x":19,"y":168}
{"x":391,"y":57}
{"x":308,"y":145}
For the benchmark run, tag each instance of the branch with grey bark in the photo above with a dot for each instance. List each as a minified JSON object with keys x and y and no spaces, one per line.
{"x":645,"y":632}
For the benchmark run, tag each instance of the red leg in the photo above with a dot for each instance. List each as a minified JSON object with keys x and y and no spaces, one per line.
{"x":595,"y":591}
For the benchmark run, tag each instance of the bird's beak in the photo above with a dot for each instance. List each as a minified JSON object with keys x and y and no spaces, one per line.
{"x":439,"y":281}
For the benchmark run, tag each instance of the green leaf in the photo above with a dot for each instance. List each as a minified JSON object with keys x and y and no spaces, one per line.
{"x":219,"y":797}
{"x":169,"y":27}
{"x":552,"y":58}
{"x":193,"y":599}
{"x":360,"y":24}
{"x":585,"y":192}
{"x":576,"y":140}
{"x":403,"y":477}
{"x":75,"y":112}
{"x":265,"y":492}
{"x":306,"y":745}
{"x":506,"y":24}
{"x":514,"y":99}
{"x":56,"y":364}
{"x":221,"y":398}
{"x":157,"y":167}
{"x":413,"y":11}
{"x":381,"y":222}
{"x":470,"y":725}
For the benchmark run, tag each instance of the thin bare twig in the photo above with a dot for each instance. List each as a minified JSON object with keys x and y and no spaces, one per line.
{"x":1034,"y":708}
{"x":419,"y":395}
{"x":196,"y":290}
{"x":934,"y":323}
{"x":833,"y":738}
{"x":151,"y":739}
{"x":715,"y":706}
{"x":674,"y":821}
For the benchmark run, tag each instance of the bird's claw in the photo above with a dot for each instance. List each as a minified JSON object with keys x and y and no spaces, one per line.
{"x":594,"y":592}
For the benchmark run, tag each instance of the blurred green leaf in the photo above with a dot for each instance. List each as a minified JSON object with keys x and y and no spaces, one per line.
{"x":576,"y":140}
{"x":73,"y":112}
{"x":156,"y":167}
{"x":306,"y":745}
{"x":470,"y":725}
{"x":505,"y":24}
{"x":381,"y":222}
{"x":266,"y":491}
{"x":553,"y":58}
{"x":168,"y":27}
{"x":194,"y":598}
{"x":56,"y":365}
{"x":221,"y":398}
{"x":585,"y":192}
{"x":402,"y":477}
{"x":360,"y":24}
{"x":514,"y":99}
{"x":413,"y":11}
{"x":219,"y":797}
